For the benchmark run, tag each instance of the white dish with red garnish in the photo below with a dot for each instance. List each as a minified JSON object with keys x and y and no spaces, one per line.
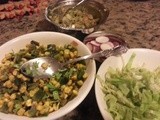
{"x":101,"y":40}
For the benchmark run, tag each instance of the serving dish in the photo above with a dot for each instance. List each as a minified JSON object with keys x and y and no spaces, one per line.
{"x":58,"y":39}
{"x":93,"y":8}
{"x":100,"y":40}
{"x":146,"y":58}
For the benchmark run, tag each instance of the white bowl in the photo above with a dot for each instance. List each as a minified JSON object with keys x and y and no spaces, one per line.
{"x":58,"y":39}
{"x":150,"y":59}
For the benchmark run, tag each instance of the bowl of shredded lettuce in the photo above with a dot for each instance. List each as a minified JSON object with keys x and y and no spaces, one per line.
{"x":127,"y":87}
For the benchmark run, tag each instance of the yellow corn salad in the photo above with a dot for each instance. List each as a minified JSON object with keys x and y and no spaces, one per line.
{"x":34,"y":97}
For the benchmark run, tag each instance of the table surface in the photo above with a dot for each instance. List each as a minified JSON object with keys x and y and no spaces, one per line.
{"x":138,"y":22}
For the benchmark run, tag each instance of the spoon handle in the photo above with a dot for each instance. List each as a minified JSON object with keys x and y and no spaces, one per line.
{"x":105,"y":53}
{"x":78,"y":4}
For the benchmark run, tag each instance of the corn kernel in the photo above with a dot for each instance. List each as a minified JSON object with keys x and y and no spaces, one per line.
{"x":15,"y":72}
{"x":75,"y":92}
{"x":62,"y":87}
{"x":74,"y":77}
{"x":8,"y":84}
{"x":19,"y":76}
{"x":56,"y":106}
{"x":24,"y":78}
{"x":1,"y":103}
{"x":54,"y":82}
{"x":80,"y":82}
{"x":29,"y":102}
{"x":11,"y":77}
{"x":46,"y":104}
{"x":13,"y":96}
{"x":71,"y":54}
{"x":6,"y":99}
{"x":69,"y":82}
{"x":66,"y":53}
{"x":57,"y":85}
{"x":31,"y":93}
{"x":23,"y":89}
{"x":47,"y":53}
{"x":7,"y":63}
{"x":4,"y":60}
{"x":6,"y":95}
{"x":65,"y":96}
{"x":85,"y":75}
{"x":10,"y":106}
{"x":75,"y":53}
{"x":67,"y":90}
{"x":51,"y":109}
{"x":8,"y":56}
{"x":45,"y":88}
{"x":21,"y":111}
{"x":39,"y":107}
{"x":45,"y":66}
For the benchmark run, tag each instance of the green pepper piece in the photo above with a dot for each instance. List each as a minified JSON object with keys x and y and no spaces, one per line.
{"x":35,"y":43}
{"x":39,"y":95}
{"x":32,"y":112}
{"x":4,"y":108}
{"x":56,"y":95}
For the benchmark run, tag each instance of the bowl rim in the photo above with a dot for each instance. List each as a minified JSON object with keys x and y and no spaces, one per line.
{"x":76,"y":101}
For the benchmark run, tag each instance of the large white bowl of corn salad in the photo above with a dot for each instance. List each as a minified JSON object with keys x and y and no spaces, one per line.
{"x":23,"y":98}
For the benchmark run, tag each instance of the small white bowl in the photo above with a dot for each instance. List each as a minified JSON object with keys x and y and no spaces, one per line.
{"x":150,"y":59}
{"x":58,"y":39}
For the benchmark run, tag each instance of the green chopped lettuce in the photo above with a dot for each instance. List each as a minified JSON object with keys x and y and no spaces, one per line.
{"x":32,"y":70}
{"x":132,"y":93}
{"x":56,"y":95}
